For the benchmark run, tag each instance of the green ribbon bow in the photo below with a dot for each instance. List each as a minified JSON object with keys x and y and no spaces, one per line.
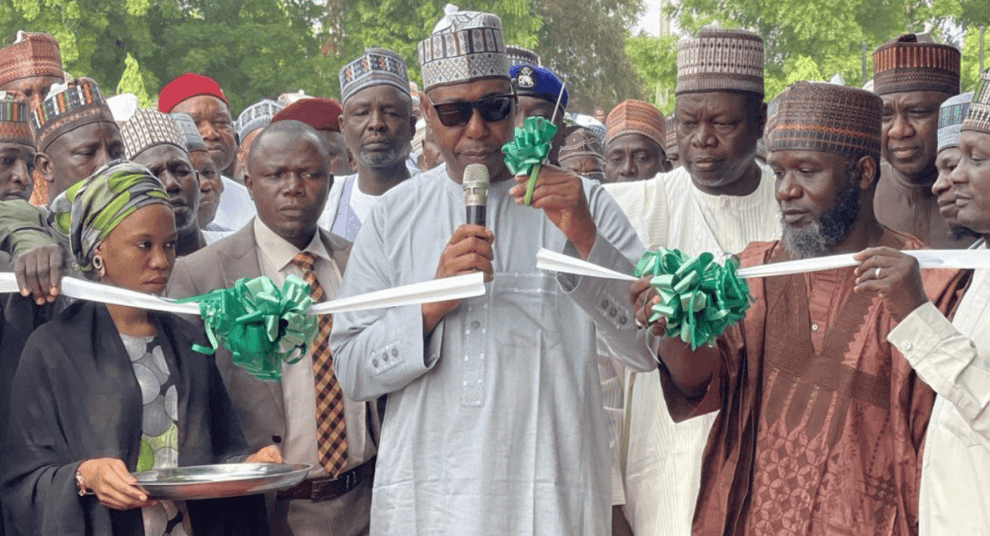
{"x":698,"y":297}
{"x":528,"y":150}
{"x":260,"y":325}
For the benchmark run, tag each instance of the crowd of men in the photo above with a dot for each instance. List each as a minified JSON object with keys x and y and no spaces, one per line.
{"x":848,"y":401}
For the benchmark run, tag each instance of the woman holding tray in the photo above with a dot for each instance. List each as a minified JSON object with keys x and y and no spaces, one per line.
{"x":105,"y":390}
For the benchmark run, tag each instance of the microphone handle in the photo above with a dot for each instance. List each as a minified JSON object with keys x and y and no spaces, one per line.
{"x":475,"y":214}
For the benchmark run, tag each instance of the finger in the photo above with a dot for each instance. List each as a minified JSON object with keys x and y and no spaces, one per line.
{"x":470,"y":230}
{"x":464,"y":264}
{"x":472,"y":246}
{"x":555,"y":200}
{"x":20,"y":276}
{"x":43,"y":275}
{"x":55,"y":272}
{"x":32,"y":276}
{"x":870,"y":285}
{"x":659,"y":328}
{"x":869,"y":266}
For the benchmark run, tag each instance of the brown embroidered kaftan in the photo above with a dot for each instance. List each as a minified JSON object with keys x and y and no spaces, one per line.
{"x":822,"y":421}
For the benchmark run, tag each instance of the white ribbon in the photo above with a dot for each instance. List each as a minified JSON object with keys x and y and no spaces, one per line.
{"x":451,"y":288}
{"x":558,"y":262}
{"x":927,"y":258}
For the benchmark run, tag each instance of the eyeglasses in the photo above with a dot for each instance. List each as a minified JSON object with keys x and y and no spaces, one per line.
{"x":493,"y":108}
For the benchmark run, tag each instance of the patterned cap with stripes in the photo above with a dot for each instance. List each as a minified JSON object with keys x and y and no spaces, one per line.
{"x":817,"y":116}
{"x":377,"y":66}
{"x":148,"y":128}
{"x":15,"y":125}
{"x":464,"y":46}
{"x":978,"y":117}
{"x":720,"y":60}
{"x":950,"y":118}
{"x":635,"y":117}
{"x":33,"y":54}
{"x":69,"y":106}
{"x":907,"y":64}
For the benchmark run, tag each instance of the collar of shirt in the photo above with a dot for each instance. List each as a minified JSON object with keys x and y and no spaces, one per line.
{"x":279,"y":252}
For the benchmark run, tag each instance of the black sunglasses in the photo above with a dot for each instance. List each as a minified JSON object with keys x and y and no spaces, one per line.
{"x":493,"y":108}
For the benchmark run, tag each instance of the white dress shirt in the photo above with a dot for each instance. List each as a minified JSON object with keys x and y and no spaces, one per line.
{"x":954,"y":359}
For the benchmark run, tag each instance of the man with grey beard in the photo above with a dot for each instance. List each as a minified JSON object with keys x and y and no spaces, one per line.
{"x":378,"y":125}
{"x":821,"y":419}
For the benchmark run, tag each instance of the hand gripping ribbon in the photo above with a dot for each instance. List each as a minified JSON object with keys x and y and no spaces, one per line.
{"x":698,"y":297}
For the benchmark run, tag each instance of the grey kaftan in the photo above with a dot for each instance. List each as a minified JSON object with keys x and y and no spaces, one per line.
{"x":494,"y":423}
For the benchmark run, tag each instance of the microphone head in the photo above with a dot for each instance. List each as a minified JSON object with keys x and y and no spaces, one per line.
{"x":475,"y":185}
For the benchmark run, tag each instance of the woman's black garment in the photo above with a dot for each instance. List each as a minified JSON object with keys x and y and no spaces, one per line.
{"x":75,"y":397}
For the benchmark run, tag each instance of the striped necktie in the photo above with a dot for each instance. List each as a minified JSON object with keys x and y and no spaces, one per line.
{"x":331,"y":439}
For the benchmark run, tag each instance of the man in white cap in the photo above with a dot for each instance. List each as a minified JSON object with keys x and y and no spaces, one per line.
{"x":377,"y":125}
{"x":719,"y":201}
{"x":494,"y":423}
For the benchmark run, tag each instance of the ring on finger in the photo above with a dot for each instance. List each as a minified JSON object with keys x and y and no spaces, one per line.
{"x":876,"y":273}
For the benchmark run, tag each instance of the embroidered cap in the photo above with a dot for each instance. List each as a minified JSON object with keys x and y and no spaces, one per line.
{"x":720,"y":60}
{"x":188,"y":132}
{"x":375,"y":67}
{"x":464,"y":46}
{"x":581,"y":142}
{"x":148,"y":128}
{"x":909,"y":64}
{"x":516,"y":55}
{"x":33,"y":54}
{"x":950,"y":119}
{"x":68,"y":106}
{"x":817,"y":116}
{"x":15,"y":125}
{"x":256,"y":116}
{"x":978,"y":116}
{"x":635,"y":117}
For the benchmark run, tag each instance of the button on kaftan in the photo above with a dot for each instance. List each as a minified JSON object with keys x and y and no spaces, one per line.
{"x":494,"y":422}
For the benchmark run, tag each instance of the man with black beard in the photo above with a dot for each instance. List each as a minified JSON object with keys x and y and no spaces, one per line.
{"x":821,"y":419}
{"x":378,"y":126}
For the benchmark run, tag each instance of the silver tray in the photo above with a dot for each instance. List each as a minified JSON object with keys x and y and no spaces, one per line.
{"x":219,"y":480}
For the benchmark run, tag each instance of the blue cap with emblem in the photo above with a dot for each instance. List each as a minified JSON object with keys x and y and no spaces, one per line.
{"x":529,"y":81}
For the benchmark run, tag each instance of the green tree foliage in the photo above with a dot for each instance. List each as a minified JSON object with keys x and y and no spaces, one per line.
{"x":584,"y":41}
{"x":655,"y":60}
{"x":260,"y":48}
{"x":816,"y":39}
{"x":132,"y":81}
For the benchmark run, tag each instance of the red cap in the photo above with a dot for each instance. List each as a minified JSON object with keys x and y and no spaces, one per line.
{"x":318,"y":112}
{"x":186,"y":86}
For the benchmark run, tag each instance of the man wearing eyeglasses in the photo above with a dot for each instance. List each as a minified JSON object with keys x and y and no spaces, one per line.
{"x":494,"y":423}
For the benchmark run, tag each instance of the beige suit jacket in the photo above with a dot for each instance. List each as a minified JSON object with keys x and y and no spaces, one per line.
{"x":259,"y":404}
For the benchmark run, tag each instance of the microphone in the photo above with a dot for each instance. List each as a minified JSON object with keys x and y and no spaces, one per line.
{"x":475,"y":185}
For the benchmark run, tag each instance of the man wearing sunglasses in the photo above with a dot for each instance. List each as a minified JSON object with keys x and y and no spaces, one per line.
{"x":494,"y":423}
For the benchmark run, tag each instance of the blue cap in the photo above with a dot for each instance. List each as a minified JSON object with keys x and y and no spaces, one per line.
{"x":529,"y":81}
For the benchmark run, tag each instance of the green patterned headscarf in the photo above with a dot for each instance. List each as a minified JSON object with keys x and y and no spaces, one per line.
{"x":90,"y":209}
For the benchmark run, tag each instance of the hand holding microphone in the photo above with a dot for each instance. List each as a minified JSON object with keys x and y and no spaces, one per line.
{"x":470,"y":247}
